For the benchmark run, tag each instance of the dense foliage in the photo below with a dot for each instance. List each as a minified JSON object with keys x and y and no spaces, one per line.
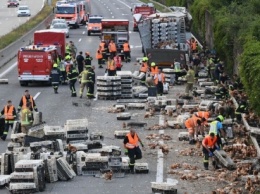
{"x":236,"y":36}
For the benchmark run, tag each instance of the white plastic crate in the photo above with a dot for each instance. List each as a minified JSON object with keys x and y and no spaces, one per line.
{"x":4,"y":179}
{"x":53,"y":130}
{"x":141,"y":167}
{"x":28,"y":163}
{"x":203,"y":84}
{"x":96,"y":159}
{"x":65,"y":169}
{"x":22,"y":186}
{"x":82,"y":122}
{"x":121,"y":133}
{"x":22,"y":175}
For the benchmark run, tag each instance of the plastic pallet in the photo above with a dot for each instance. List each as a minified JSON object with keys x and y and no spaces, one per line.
{"x":123,"y":116}
{"x":65,"y":172}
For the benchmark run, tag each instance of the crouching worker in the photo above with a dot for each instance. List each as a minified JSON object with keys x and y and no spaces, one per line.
{"x":26,"y":118}
{"x":209,"y":145}
{"x":193,"y":124}
{"x":132,"y":148}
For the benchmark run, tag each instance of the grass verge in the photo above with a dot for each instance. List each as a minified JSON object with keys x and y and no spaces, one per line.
{"x":24,"y":28}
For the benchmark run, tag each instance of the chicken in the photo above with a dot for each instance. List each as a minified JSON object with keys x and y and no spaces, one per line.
{"x":72,"y":148}
{"x":124,"y":125}
{"x":174,"y":166}
{"x":249,"y":184}
{"x":108,"y":175}
{"x":165,"y":149}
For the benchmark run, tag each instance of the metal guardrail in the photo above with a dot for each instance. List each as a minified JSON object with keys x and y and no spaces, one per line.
{"x":8,"y":53}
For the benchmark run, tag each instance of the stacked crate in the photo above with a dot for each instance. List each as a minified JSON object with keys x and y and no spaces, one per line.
{"x":108,"y":87}
{"x":168,"y":74}
{"x":76,"y":129}
{"x":126,"y":83}
{"x":29,"y":177}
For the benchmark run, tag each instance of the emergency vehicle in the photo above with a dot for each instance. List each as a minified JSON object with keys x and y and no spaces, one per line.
{"x":70,"y":11}
{"x":51,"y":37}
{"x":94,"y":24}
{"x":35,"y":63}
{"x":141,"y":11}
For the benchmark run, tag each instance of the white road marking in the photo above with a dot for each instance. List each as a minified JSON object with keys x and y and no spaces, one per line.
{"x":79,"y":39}
{"x":111,"y":12}
{"x":83,"y":32}
{"x":8,"y":69}
{"x":159,"y":172}
{"x":124,"y":3}
{"x":36,"y":96}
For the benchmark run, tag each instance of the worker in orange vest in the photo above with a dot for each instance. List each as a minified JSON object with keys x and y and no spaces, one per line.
{"x":194,"y":45}
{"x":103,"y":49}
{"x":112,"y":48}
{"x":154,"y":68}
{"x":204,"y":115}
{"x":193,"y":124}
{"x":209,"y":145}
{"x":111,"y":66}
{"x":9,"y":113}
{"x":99,"y":57}
{"x":159,"y":80}
{"x":126,"y":50}
{"x":144,"y":69}
{"x":27,"y":98}
{"x":118,"y":62}
{"x":132,"y":148}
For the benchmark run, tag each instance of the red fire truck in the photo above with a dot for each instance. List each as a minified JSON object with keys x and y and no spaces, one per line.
{"x":35,"y":63}
{"x":141,"y":11}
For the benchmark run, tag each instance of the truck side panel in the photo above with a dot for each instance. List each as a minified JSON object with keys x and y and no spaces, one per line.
{"x":50,"y":38}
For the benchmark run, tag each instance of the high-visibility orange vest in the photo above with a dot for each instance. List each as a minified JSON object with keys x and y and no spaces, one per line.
{"x":209,"y":142}
{"x":111,"y":65}
{"x":9,"y":113}
{"x":99,"y":54}
{"x":144,"y":67}
{"x":118,"y":61}
{"x":194,"y":45}
{"x":126,"y":47}
{"x":132,"y":141}
{"x":156,"y":80}
{"x":112,"y":47}
{"x":191,"y":122}
{"x":25,"y":101}
{"x":102,"y":45}
{"x":203,"y":114}
{"x":154,"y":70}
{"x":68,"y":66}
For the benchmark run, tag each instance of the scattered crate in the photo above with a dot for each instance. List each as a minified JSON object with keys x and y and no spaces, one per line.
{"x":120,"y":134}
{"x":123,"y":116}
{"x":141,"y":168}
{"x":224,"y":159}
{"x":165,"y":188}
{"x":3,"y":81}
{"x":136,"y":124}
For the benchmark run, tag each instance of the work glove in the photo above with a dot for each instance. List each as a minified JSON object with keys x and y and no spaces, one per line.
{"x":142,"y":144}
{"x":217,"y":148}
{"x":126,"y":152}
{"x":210,"y":154}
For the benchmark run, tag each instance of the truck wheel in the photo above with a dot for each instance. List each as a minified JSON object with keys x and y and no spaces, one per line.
{"x":23,"y":83}
{"x":89,"y":33}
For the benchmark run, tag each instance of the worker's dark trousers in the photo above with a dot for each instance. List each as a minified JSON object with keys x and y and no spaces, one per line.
{"x":113,"y":54}
{"x":238,"y":117}
{"x":7,"y":126}
{"x":160,"y":88}
{"x":143,"y":80}
{"x":127,"y":56}
{"x":72,"y":87}
{"x":206,"y":156}
{"x":100,"y":62}
{"x":90,"y":87}
{"x":55,"y":87}
{"x":134,"y":154}
{"x":63,"y":76}
{"x":219,"y":141}
{"x":111,"y":72}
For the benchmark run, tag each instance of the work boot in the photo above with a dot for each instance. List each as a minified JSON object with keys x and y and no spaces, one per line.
{"x":132,"y":171}
{"x":206,"y":166}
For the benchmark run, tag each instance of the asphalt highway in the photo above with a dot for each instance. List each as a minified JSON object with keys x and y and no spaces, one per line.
{"x":8,"y":16}
{"x":57,"y":108}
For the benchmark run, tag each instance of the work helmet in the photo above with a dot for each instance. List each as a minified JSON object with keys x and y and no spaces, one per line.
{"x":221,"y":118}
{"x":153,"y":64}
{"x":67,"y":57}
{"x":55,"y":65}
{"x":87,"y":53}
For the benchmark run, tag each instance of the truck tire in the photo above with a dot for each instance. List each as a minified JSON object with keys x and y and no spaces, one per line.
{"x":23,"y":83}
